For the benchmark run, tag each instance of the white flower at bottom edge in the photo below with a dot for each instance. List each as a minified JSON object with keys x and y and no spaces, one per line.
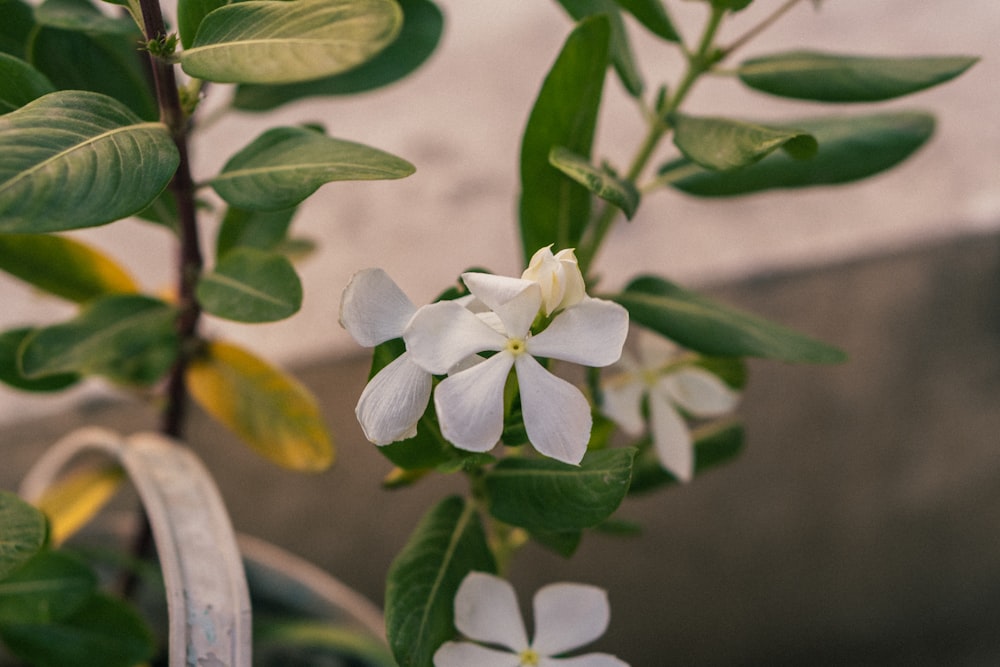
{"x":470,"y":403}
{"x":373,"y":310}
{"x":696,"y":390}
{"x":567,"y":616}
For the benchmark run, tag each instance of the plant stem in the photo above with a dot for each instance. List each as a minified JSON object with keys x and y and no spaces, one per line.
{"x":182,"y":186}
{"x":760,"y":27}
{"x":697,"y":64}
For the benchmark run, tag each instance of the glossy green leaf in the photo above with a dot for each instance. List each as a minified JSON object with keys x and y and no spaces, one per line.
{"x":423,"y":24}
{"x":721,"y":144}
{"x":269,"y":41}
{"x":20,"y":83}
{"x":63,"y":266}
{"x":23,"y":535}
{"x":18,"y":23}
{"x":828,"y":77}
{"x":446,"y":545}
{"x":106,"y":63}
{"x":74,"y":159}
{"x":550,"y":496}
{"x":711,"y":328}
{"x":190,"y":14}
{"x":620,"y":51}
{"x":10,"y":367}
{"x":104,"y":629}
{"x":128,"y":338}
{"x":713,"y":446}
{"x":651,"y":14}
{"x":250,"y":285}
{"x":554,"y":209}
{"x":850,"y":149}
{"x":601,"y":182}
{"x":50,"y":586}
{"x":267,"y":408}
{"x":263,"y":230}
{"x":285,"y":165}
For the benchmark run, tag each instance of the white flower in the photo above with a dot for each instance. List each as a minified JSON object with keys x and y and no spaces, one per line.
{"x":470,"y":403}
{"x":558,"y":276}
{"x":373,"y":310}
{"x":668,"y":385}
{"x":567,"y":616}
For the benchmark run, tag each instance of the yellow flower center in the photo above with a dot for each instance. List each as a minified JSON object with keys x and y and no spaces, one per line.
{"x":529,"y":658}
{"x":515,"y":346}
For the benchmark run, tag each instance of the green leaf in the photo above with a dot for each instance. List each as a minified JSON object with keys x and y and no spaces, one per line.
{"x":80,"y":16}
{"x":20,"y":83}
{"x":190,"y":14}
{"x":550,"y":496}
{"x":717,"y":444}
{"x":98,"y":163}
{"x":50,"y":586}
{"x":554,"y":209}
{"x":105,"y":630}
{"x":829,"y":77}
{"x":850,"y":149}
{"x":721,"y":144}
{"x":705,"y":326}
{"x":268,"y":409}
{"x":601,"y":182}
{"x":620,"y":50}
{"x":128,"y":338}
{"x":250,"y":285}
{"x":307,"y":642}
{"x":269,"y":41}
{"x":731,"y":5}
{"x":263,"y":230}
{"x":423,"y":24}
{"x":18,"y":22}
{"x":565,"y":543}
{"x":652,"y":14}
{"x":285,"y":165}
{"x":106,"y":63}
{"x":63,"y":266}
{"x":10,"y":368}
{"x":23,"y":535}
{"x":447,"y":544}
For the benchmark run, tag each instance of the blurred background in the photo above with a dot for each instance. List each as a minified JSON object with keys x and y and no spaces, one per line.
{"x":858,"y":528}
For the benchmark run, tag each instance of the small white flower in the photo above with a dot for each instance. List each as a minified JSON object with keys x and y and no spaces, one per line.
{"x":669,"y":386}
{"x":470,"y":403}
{"x":373,"y":310}
{"x":559,"y":278}
{"x":567,"y":616}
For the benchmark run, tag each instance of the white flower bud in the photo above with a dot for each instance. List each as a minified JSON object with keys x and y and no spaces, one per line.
{"x":559,"y":277}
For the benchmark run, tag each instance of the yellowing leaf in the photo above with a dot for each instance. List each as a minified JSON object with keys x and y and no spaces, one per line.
{"x":73,"y":501}
{"x":268,"y":409}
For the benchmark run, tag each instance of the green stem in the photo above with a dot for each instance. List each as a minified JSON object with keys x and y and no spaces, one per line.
{"x":759,"y":28}
{"x":697,"y":64}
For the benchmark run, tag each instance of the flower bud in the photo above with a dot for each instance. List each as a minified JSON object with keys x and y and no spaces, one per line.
{"x":559,"y":277}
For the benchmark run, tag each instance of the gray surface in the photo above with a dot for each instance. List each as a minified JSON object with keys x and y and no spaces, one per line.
{"x":859,"y":528}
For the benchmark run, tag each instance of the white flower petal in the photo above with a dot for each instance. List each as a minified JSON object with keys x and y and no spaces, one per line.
{"x":556,"y":415}
{"x":623,"y":402}
{"x":588,"y":660}
{"x":443,"y":334}
{"x":700,"y":392}
{"x":591,"y":333}
{"x":470,"y":404}
{"x":493,"y":290}
{"x":568,"y":616}
{"x":671,"y":437}
{"x":464,"y":654}
{"x":518,"y":314}
{"x":486,"y":610}
{"x":655,"y":351}
{"x":394,"y":401}
{"x":373,"y":309}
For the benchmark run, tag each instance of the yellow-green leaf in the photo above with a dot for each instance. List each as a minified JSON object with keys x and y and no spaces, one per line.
{"x":74,"y":500}
{"x":63,"y":266}
{"x":268,"y":409}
